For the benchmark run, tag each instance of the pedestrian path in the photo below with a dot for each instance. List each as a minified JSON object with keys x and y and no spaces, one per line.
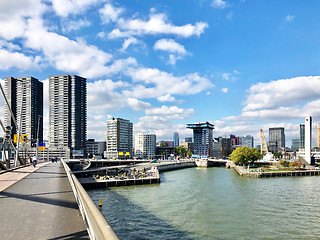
{"x":38,"y":203}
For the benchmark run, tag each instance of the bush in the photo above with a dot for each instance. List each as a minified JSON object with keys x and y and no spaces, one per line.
{"x":294,"y":164}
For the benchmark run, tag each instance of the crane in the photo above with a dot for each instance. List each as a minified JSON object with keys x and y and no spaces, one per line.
{"x":264,"y":146}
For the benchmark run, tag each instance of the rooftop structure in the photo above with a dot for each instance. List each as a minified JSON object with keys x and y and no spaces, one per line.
{"x":202,"y":136}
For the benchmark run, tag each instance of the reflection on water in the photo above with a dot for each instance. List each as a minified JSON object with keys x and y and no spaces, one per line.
{"x":214,"y":203}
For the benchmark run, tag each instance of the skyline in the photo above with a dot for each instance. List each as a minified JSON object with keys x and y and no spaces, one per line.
{"x":240,"y":65}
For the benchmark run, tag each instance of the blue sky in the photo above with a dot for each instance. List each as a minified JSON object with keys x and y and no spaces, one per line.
{"x":242,"y":64}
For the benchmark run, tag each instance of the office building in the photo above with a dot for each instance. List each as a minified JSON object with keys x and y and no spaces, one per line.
{"x":318,"y":134}
{"x":295,"y":144}
{"x":119,"y":139}
{"x":68,"y":114}
{"x":176,"y":139}
{"x":202,"y":136}
{"x":27,"y":91}
{"x":188,"y":146}
{"x":308,"y":139}
{"x":95,"y":148}
{"x":247,"y":141}
{"x":276,"y":139}
{"x":145,"y":145}
{"x":188,"y":140}
{"x":302,"y":135}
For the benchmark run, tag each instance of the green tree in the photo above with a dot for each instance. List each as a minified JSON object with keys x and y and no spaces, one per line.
{"x":245,"y":155}
{"x":164,"y":144}
{"x":189,"y":153}
{"x":181,"y":151}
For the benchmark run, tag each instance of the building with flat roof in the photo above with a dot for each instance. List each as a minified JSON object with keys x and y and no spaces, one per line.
{"x":145,"y":145}
{"x":295,"y":144}
{"x":302,"y":136}
{"x":276,"y":139}
{"x":95,"y":148}
{"x":27,"y":91}
{"x":203,"y":138}
{"x":188,"y":140}
{"x":68,"y":114}
{"x":119,"y":139}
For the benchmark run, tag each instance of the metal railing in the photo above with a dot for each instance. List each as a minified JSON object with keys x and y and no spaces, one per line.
{"x":97,"y":226}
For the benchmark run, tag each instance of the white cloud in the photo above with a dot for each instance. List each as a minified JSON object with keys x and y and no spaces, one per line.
{"x":110,"y":13}
{"x":157,"y":24}
{"x":72,"y":56}
{"x":65,"y":7}
{"x":289,"y":18}
{"x":68,"y":26}
{"x":128,"y":42}
{"x":158,"y":83}
{"x":18,"y":60}
{"x":284,"y":92}
{"x":137,"y":105}
{"x":219,"y":4}
{"x":224,"y":90}
{"x":166,"y":98}
{"x":172,"y":112}
{"x":169,"y":45}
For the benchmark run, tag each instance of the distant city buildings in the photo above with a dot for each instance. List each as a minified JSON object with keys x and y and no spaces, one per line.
{"x":68,"y":114}
{"x":203,"y":138}
{"x":95,"y":148}
{"x":27,"y":91}
{"x":119,"y":139}
{"x":187,"y":146}
{"x":295,"y":144}
{"x":188,"y":140}
{"x":176,"y":139}
{"x":247,"y":141}
{"x":302,"y":135}
{"x":276,"y":139}
{"x":145,"y":145}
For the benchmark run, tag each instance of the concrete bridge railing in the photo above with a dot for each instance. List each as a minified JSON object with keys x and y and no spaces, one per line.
{"x":97,"y":226}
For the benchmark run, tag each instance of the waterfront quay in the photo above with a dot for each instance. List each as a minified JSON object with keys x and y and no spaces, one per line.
{"x":143,"y":172}
{"x":242,"y":171}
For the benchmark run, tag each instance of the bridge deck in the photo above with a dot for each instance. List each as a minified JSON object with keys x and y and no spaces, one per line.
{"x":39,"y":206}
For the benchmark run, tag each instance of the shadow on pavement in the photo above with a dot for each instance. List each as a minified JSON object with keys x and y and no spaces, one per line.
{"x":31,"y":197}
{"x":77,"y":235}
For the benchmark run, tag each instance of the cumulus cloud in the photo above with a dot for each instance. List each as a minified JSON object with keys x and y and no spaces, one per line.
{"x":156,"y":83}
{"x":166,"y":98}
{"x":128,"y":42}
{"x":169,"y":45}
{"x":18,"y":60}
{"x":137,"y":105}
{"x":65,"y":7}
{"x":68,"y":26}
{"x":172,"y":112}
{"x":110,"y":13}
{"x":157,"y":24}
{"x":284,"y":92}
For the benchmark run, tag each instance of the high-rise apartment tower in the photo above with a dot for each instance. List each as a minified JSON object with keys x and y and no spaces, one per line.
{"x":119,"y":138}
{"x":145,"y":145}
{"x":27,"y":91}
{"x":68,"y":113}
{"x":318,"y":134}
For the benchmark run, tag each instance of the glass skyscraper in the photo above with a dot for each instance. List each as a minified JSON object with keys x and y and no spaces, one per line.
{"x":277,"y":139}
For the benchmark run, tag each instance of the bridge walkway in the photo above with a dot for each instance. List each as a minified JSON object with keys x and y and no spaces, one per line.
{"x":39,"y":206}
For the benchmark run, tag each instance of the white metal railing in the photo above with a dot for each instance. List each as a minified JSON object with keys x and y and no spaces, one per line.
{"x":97,"y":226}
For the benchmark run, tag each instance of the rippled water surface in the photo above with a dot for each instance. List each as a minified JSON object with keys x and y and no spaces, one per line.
{"x":214,"y":203}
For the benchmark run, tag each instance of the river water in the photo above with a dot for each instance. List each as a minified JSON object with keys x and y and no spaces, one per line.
{"x":214,"y":203}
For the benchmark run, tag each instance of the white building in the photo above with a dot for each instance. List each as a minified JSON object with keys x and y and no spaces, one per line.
{"x":308,"y":141}
{"x":119,"y":139}
{"x":145,"y":145}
